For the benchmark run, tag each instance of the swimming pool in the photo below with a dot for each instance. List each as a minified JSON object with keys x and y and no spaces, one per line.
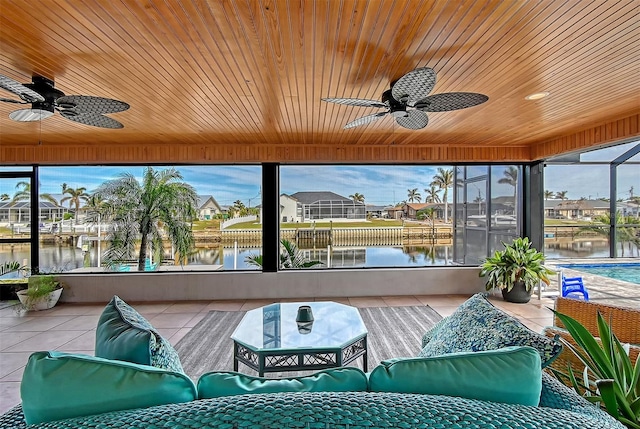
{"x":628,"y":272}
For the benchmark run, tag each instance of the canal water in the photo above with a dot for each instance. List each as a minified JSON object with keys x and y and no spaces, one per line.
{"x":62,"y":257}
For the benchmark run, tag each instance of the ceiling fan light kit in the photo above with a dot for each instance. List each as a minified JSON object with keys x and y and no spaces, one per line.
{"x":30,"y":115}
{"x":45,"y":99}
{"x":409,"y":99}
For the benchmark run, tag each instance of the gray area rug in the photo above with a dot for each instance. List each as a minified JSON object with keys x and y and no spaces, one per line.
{"x":393,"y":332}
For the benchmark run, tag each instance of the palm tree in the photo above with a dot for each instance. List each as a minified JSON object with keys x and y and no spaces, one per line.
{"x":23,"y":193}
{"x":358,"y":198}
{"x":429,"y":214}
{"x":432,"y":195}
{"x":562,"y":195}
{"x":4,"y":197}
{"x":511,"y":178}
{"x":162,"y":203}
{"x":444,"y":180}
{"x":413,"y":195}
{"x":74,"y":198}
{"x":239,"y":208}
{"x":548,"y":194}
{"x":290,"y":257}
{"x":601,"y":226}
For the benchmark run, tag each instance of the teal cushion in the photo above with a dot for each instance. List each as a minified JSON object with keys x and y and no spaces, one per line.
{"x":123,"y":334}
{"x":477,"y":325}
{"x":215,"y":384}
{"x":58,"y":385}
{"x":511,"y":375}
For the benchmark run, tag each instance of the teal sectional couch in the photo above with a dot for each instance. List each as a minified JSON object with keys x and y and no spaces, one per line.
{"x":136,"y":381}
{"x":559,"y":408}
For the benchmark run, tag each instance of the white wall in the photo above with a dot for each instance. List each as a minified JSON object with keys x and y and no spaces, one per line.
{"x":172,"y":286}
{"x":289,"y":208}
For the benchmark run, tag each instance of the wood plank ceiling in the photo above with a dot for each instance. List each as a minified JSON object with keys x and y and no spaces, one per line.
{"x":242,"y":80}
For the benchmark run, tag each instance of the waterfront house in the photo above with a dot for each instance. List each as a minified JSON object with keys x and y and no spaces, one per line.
{"x":395,"y":212}
{"x":208,"y":207}
{"x":325,"y":206}
{"x":290,"y":209}
{"x":20,"y":212}
{"x":410,"y":210}
{"x":575,"y":209}
{"x":374,"y":212}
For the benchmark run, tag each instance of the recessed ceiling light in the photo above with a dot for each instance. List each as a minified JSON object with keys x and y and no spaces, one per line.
{"x":536,"y":96}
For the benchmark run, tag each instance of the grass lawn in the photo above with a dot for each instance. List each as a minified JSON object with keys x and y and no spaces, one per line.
{"x":565,"y":222}
{"x":203,"y":225}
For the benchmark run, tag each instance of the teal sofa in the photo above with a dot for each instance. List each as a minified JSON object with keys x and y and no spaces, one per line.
{"x":464,"y":378}
{"x":559,"y":408}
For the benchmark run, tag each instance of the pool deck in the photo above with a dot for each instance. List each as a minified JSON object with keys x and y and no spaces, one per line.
{"x":601,"y":289}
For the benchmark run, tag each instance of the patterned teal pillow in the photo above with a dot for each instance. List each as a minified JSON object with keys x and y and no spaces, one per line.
{"x":477,"y":326}
{"x":434,"y":330}
{"x":123,"y":334}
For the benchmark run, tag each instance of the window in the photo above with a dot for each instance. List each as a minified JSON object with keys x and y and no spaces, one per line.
{"x":15,"y":218}
{"x":368,"y":216}
{"x":593,"y":185}
{"x":78,"y":227}
{"x":484,"y":223}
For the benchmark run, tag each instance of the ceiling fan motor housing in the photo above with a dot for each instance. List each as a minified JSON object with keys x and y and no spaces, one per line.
{"x":44,"y":87}
{"x":396,"y":108}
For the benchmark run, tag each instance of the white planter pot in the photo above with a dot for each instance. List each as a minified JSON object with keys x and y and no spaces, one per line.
{"x":43,"y":303}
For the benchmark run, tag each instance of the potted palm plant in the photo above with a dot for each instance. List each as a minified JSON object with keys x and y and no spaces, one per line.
{"x":516,"y":270}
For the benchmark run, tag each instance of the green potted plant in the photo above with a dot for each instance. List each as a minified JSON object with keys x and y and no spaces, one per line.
{"x":611,"y":378}
{"x":516,"y":270}
{"x":42,"y":292}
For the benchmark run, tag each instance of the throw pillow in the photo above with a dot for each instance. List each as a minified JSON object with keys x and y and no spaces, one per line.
{"x":347,"y":379}
{"x":510,"y":375}
{"x":477,"y":325}
{"x":58,"y":385}
{"x":434,"y":330}
{"x":123,"y":334}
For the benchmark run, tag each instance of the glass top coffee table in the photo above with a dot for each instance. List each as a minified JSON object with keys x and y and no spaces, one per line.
{"x":269,"y":339}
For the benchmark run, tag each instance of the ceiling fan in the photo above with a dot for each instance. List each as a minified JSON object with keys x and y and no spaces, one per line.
{"x":45,"y":100}
{"x":409,"y":99}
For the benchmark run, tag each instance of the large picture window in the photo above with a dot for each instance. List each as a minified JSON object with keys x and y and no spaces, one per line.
{"x":359,"y":216}
{"x":100,"y":218}
{"x":591,"y":205}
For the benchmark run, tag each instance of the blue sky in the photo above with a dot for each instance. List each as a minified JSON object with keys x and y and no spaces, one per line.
{"x":593,"y":180}
{"x":381,"y":185}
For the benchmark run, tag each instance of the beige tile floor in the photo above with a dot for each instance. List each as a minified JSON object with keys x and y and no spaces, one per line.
{"x":71,"y":327}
